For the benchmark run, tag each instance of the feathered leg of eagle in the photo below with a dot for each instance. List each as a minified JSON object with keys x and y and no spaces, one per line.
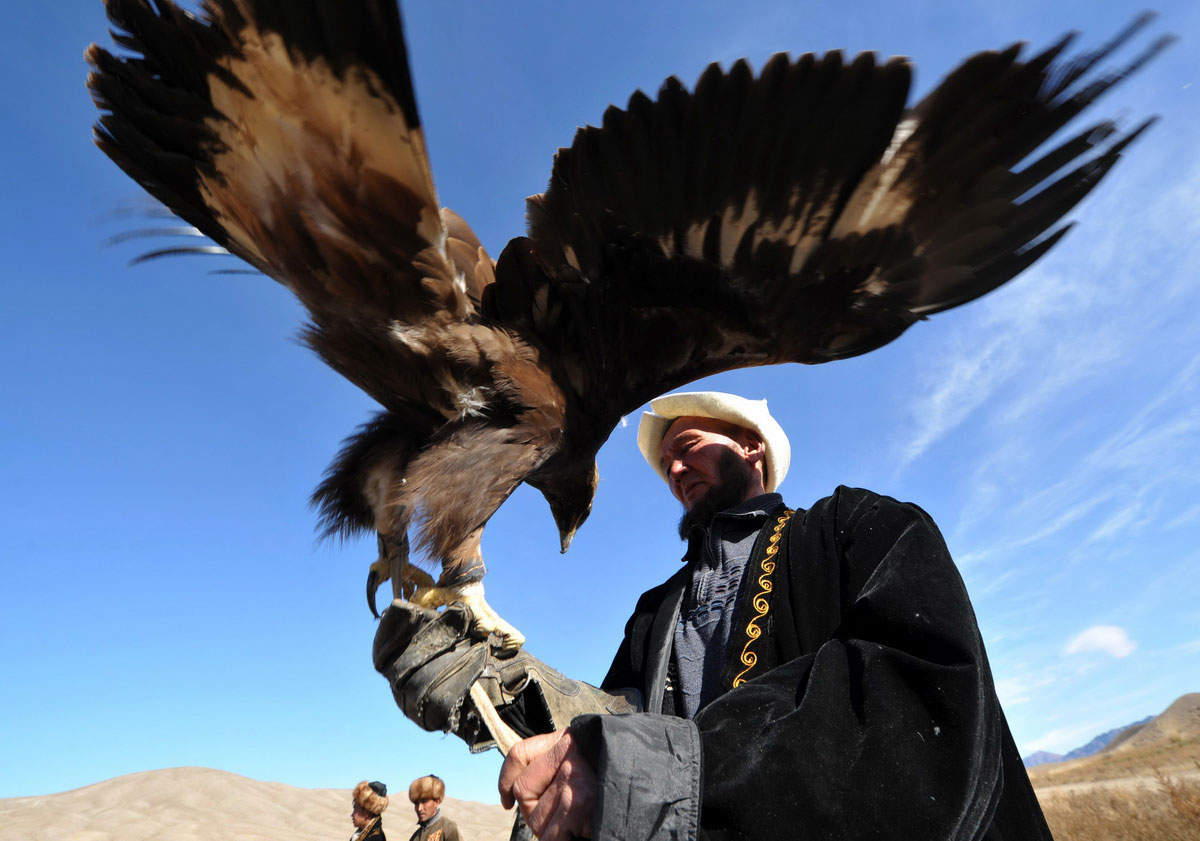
{"x":456,"y":484}
{"x":377,"y":483}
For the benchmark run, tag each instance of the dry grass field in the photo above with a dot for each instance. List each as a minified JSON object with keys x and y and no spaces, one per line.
{"x":1167,"y":810}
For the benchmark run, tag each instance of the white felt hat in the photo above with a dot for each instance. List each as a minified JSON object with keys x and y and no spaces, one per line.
{"x":751,"y":414}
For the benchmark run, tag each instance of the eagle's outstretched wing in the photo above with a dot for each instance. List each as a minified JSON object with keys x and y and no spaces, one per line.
{"x":802,"y":215}
{"x":291,"y":138}
{"x":287,"y":132}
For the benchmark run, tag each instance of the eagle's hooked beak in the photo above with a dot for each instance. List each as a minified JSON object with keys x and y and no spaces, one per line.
{"x":571,"y":502}
{"x":565,"y":538}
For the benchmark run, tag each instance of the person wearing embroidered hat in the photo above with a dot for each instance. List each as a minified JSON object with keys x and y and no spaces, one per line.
{"x":427,"y":794}
{"x":806,"y":674}
{"x":370,"y":800}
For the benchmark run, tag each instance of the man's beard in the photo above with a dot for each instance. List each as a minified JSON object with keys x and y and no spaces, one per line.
{"x":733,"y":481}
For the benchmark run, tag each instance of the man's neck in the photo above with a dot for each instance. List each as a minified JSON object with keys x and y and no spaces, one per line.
{"x":758,"y":502}
{"x":750,"y":509}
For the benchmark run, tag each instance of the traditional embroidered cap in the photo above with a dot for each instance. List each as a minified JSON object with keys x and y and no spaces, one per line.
{"x":751,"y":414}
{"x":372,"y":796}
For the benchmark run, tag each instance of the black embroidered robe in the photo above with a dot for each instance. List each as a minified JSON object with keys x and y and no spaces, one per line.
{"x":863,"y":708}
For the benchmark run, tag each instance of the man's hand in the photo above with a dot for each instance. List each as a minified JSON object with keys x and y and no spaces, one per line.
{"x":431,"y":661}
{"x":549,"y":779}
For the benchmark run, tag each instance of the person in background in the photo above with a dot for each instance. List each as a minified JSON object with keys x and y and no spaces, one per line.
{"x":426,"y":794}
{"x":370,"y":800}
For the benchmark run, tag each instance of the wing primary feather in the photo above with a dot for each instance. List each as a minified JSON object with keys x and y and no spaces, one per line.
{"x":1069,"y":72}
{"x":826,"y":213}
{"x":153,"y":233}
{"x":982,"y":282}
{"x":178,"y":251}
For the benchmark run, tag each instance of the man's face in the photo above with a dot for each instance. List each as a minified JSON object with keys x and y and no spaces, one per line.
{"x":696,"y":456}
{"x":426,"y":809}
{"x":360,"y":817}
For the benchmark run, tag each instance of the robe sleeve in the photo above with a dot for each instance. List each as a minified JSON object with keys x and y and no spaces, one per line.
{"x":889,"y":727}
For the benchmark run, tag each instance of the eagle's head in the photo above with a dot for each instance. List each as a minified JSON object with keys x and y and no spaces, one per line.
{"x":569,"y":493}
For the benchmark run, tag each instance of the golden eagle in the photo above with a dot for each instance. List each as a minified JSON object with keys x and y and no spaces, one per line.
{"x":805,"y":213}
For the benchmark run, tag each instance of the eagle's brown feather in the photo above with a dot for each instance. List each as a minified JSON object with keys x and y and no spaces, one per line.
{"x":802,"y":214}
{"x":819,"y":222}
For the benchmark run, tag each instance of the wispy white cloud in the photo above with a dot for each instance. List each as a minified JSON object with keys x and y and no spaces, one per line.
{"x":973,"y":370}
{"x":1109,"y":639}
{"x":1063,"y":367}
{"x":1117,"y":522}
{"x":1059,"y":326}
{"x":1020,"y":690}
{"x":980,"y":586}
{"x":1035,"y":318}
{"x":1188,"y":515}
{"x":1122,"y":480}
{"x":1084,"y":668}
{"x":961,"y":386}
{"x":1072,"y":514}
{"x":1171,"y":586}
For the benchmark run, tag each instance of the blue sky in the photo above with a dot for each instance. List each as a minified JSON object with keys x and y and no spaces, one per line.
{"x":165,"y":601}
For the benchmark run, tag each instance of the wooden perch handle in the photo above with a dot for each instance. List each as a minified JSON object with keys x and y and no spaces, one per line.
{"x":504,"y":735}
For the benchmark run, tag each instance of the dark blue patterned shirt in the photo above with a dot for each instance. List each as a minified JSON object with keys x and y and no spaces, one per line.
{"x":718,"y":556}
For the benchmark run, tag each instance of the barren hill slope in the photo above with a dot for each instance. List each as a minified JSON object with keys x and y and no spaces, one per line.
{"x":203,"y":804}
{"x":1169,"y":743}
{"x":1177,"y":722}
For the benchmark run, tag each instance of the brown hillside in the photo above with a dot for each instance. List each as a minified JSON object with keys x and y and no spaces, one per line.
{"x":1178,"y":722}
{"x":1169,"y":743}
{"x":202,"y":804}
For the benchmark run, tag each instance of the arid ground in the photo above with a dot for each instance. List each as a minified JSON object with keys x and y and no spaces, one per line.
{"x":1144,"y":787}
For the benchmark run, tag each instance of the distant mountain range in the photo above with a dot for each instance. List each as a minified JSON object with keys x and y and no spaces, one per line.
{"x":1096,"y":745}
{"x":1041,"y":757}
{"x":1168,"y":743}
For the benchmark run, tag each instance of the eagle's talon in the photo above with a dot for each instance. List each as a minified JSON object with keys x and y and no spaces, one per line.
{"x":412,"y":579}
{"x":487,"y":624}
{"x":378,"y":573}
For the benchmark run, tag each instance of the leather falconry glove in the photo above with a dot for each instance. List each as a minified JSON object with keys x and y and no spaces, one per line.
{"x":431,"y":660}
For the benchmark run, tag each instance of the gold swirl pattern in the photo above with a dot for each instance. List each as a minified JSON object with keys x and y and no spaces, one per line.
{"x":761,"y":606}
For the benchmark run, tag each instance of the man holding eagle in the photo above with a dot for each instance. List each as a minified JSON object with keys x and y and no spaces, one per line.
{"x":805,"y":674}
{"x":803,"y":214}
